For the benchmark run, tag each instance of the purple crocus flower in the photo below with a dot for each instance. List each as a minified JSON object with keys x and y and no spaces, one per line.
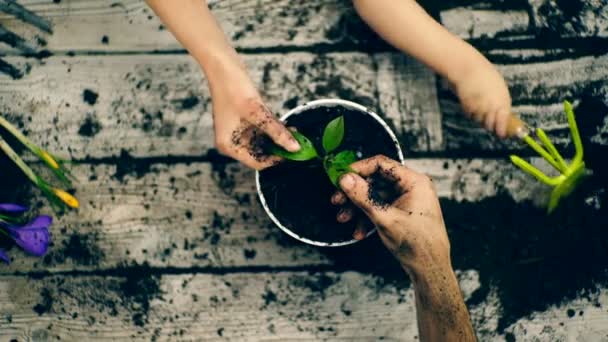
{"x":33,"y":237}
{"x":12,"y":208}
{"x":4,"y":257}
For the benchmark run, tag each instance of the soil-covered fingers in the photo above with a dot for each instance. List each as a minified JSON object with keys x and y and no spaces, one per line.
{"x":260,"y":116}
{"x":389,"y":169}
{"x":338,"y":198}
{"x":362,"y":227}
{"x":251,"y":160}
{"x":345,"y":214}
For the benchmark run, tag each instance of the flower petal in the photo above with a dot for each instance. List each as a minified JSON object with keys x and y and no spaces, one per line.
{"x":4,"y":257}
{"x":34,"y":237}
{"x":12,"y":208}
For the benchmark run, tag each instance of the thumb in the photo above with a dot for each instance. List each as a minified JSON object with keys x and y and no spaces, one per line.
{"x":357,"y":189}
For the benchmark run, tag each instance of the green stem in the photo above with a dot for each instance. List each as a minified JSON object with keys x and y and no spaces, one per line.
{"x":5,"y":218}
{"x":5,"y":233}
{"x":18,"y":161}
{"x":36,"y":150}
{"x":17,"y":134}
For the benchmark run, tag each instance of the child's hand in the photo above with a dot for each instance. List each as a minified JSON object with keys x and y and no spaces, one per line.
{"x":241,"y":117}
{"x":484,"y":96}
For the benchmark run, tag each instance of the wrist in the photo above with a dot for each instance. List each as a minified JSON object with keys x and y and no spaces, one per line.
{"x":464,"y":64}
{"x":221,"y":64}
{"x":429,"y":273}
{"x":427,"y":263}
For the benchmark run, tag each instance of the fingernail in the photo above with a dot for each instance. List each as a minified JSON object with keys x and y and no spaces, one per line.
{"x":359,"y":235}
{"x":347,"y":182}
{"x":293,"y":146}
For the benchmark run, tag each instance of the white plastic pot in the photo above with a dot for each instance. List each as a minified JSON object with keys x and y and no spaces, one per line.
{"x":303,"y":108}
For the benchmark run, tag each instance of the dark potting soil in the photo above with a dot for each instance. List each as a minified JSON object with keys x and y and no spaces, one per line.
{"x":298,"y":193}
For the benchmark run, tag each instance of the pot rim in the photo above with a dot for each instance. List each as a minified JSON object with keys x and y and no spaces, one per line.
{"x":297,"y":110}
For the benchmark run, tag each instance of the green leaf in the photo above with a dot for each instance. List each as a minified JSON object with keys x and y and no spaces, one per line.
{"x":338,"y":165}
{"x":333,"y":134}
{"x":307,"y":150}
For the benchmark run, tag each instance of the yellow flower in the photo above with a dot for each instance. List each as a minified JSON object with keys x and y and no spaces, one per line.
{"x":49,"y":160}
{"x":68,"y":199}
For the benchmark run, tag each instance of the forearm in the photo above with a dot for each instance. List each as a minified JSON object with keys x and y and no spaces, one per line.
{"x":192,"y":23}
{"x":407,"y":26}
{"x":442,"y":314}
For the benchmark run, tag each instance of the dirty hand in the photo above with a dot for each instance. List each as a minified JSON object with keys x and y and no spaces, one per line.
{"x":241,"y":117}
{"x":412,"y":226}
{"x":484,"y":96}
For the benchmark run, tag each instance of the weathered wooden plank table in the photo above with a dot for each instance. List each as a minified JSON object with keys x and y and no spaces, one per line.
{"x":171,"y":243}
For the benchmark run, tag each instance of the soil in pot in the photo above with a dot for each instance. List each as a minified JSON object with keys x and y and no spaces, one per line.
{"x":298,"y":193}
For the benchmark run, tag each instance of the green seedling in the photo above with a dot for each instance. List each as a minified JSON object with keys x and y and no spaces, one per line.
{"x":335,"y":164}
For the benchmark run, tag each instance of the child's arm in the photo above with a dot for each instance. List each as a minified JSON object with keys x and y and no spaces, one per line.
{"x":482,"y":91}
{"x":237,"y":105}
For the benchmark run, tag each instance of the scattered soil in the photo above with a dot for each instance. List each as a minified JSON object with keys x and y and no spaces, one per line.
{"x":82,"y":249}
{"x":299,"y":193}
{"x":90,"y":127}
{"x":89,"y":96}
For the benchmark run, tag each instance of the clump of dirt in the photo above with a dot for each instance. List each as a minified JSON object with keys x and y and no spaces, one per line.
{"x":46,"y":302}
{"x":90,"y":127}
{"x":129,"y":287}
{"x":89,"y":96}
{"x":129,"y":165}
{"x":382,"y":191}
{"x":299,"y":193}
{"x":138,"y":289}
{"x":82,"y":249}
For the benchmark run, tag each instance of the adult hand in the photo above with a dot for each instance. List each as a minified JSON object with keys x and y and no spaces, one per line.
{"x":412,"y":226}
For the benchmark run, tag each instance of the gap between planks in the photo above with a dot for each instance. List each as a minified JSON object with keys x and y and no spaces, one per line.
{"x":207,"y":216}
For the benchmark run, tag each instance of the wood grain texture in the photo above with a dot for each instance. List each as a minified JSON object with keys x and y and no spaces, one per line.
{"x":159,"y":105}
{"x":207,"y":215}
{"x":156,"y":105}
{"x":408,"y":96}
{"x":576,"y":18}
{"x":469,"y":23}
{"x":284,"y":306}
{"x":131,"y":26}
{"x":253,"y":24}
{"x":538,"y":90}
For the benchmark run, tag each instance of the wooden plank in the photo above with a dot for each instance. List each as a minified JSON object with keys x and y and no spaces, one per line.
{"x":285,"y":306}
{"x":131,"y":26}
{"x":470,"y":23}
{"x":413,"y":106}
{"x":157,"y":105}
{"x":204,"y":215}
{"x":582,"y":19}
{"x":251,"y":24}
{"x":538,"y":90}
{"x":152,"y":105}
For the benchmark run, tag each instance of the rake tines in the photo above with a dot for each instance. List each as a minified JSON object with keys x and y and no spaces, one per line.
{"x":570,"y":174}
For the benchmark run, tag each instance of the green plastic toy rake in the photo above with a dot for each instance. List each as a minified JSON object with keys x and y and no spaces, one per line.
{"x":570,"y":174}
